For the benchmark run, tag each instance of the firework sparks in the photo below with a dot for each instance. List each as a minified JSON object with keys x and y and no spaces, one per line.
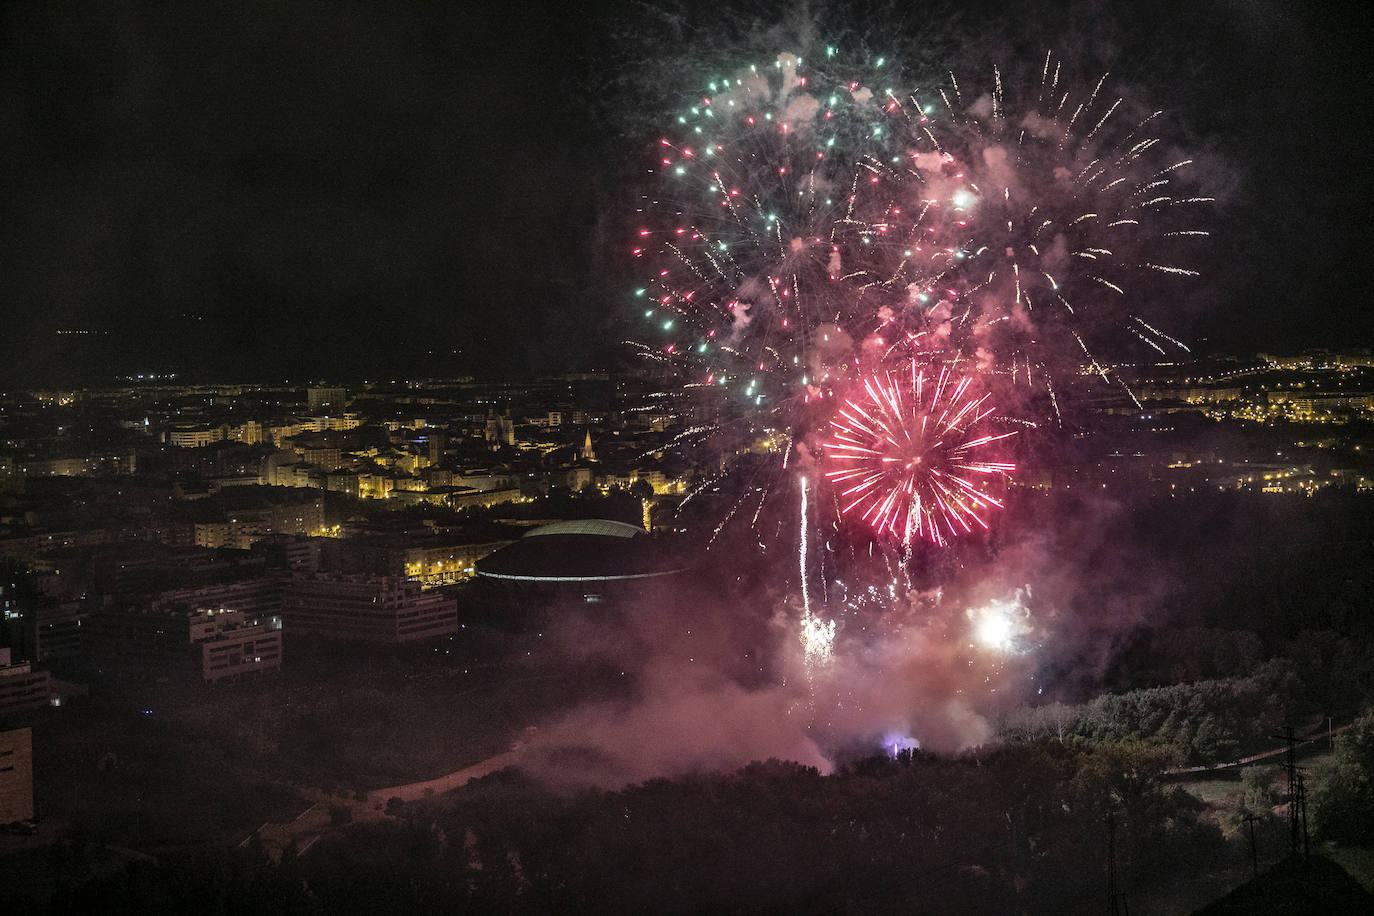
{"x":999,"y":625}
{"x":817,"y":639}
{"x":1010,"y":233}
{"x":749,"y":234}
{"x":802,"y":232}
{"x":817,"y":635}
{"x":907,"y":455}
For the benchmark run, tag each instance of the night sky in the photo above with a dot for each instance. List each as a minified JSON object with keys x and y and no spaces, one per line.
{"x":258,"y":190}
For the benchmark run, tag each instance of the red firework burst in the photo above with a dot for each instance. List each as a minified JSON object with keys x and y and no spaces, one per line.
{"x":907,"y":453}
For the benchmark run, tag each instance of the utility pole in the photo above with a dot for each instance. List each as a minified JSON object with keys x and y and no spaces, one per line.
{"x":1302,"y":807}
{"x":1254,"y":856}
{"x":1295,"y":822}
{"x":1116,"y":899}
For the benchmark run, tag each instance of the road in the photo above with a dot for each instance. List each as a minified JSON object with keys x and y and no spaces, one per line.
{"x":315,"y":821}
{"x":312,"y":823}
{"x":1253,"y":758}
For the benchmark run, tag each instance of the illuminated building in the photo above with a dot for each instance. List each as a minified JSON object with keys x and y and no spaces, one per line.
{"x":298,"y":475}
{"x":575,"y":478}
{"x":656,"y":479}
{"x":483,"y":479}
{"x":87,"y":466}
{"x":500,"y":430}
{"x":335,"y":424}
{"x":342,"y":481}
{"x":249,"y":433}
{"x":321,"y":456}
{"x":464,"y":497}
{"x":381,"y":609}
{"x":336,"y":399}
{"x":278,"y":433}
{"x":432,"y":562}
{"x":251,"y":516}
{"x":196,"y":436}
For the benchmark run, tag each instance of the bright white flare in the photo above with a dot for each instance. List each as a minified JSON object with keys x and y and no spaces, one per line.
{"x":999,"y":625}
{"x":817,"y":638}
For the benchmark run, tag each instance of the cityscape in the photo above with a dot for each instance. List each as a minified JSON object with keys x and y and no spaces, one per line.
{"x":159,"y":536}
{"x":747,"y":457}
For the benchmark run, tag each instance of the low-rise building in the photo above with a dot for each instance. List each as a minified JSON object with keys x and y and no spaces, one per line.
{"x":21,"y":687}
{"x":382,"y":609}
{"x":16,"y":775}
{"x":431,"y":561}
{"x":196,"y":436}
{"x":253,"y":518}
{"x":45,"y":631}
{"x":208,"y":642}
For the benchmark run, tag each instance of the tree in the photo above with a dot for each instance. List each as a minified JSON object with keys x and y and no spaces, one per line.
{"x":1343,"y":805}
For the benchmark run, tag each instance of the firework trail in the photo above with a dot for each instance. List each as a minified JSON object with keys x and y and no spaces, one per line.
{"x":907,"y":452}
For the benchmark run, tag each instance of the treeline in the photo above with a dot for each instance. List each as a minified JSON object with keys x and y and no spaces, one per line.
{"x":1021,"y":828}
{"x":1209,"y":721}
{"x":1343,"y":802}
{"x":1221,"y":699}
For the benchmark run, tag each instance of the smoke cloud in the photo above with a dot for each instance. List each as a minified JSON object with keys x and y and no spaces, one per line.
{"x":926,"y":653}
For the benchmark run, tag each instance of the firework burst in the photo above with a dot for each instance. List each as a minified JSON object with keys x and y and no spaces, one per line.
{"x":1015,"y":230}
{"x":806,"y":231}
{"x":908,"y":454}
{"x":750,"y":234}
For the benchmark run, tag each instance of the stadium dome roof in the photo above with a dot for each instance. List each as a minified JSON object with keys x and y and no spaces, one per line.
{"x":601,"y":527}
{"x":590,"y":550}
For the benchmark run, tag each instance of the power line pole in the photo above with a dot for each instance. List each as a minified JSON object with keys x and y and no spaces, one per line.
{"x":1302,"y":807}
{"x":1116,"y":899}
{"x":1254,"y":856}
{"x":1294,"y":778}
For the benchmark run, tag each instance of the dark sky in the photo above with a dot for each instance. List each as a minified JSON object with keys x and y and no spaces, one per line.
{"x":254,"y":189}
